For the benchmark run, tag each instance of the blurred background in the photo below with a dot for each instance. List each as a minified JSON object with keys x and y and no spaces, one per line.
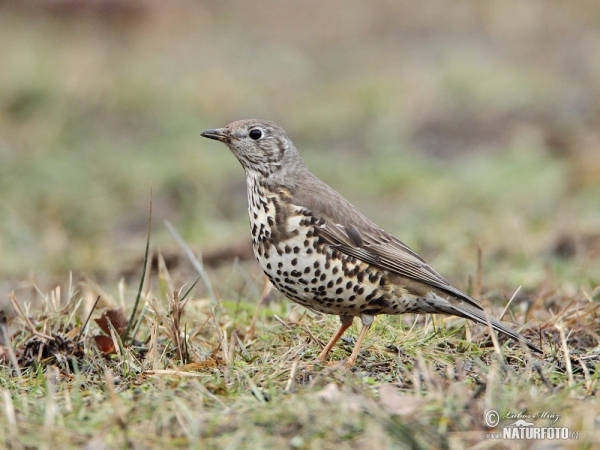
{"x":453,"y":125}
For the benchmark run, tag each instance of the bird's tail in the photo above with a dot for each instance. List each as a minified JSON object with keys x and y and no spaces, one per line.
{"x":480,"y":316}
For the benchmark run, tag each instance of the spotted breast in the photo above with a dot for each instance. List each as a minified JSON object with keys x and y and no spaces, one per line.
{"x":301,"y":264}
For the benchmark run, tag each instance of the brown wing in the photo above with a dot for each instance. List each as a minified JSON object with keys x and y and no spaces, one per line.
{"x":383,"y":250}
{"x":350,"y":232}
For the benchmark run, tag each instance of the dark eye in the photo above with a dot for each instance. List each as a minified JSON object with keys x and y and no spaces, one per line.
{"x":255,"y":134}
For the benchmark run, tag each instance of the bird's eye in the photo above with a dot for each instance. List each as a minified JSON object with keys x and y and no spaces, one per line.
{"x":255,"y":134}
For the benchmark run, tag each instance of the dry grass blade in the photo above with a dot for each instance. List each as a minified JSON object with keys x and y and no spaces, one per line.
{"x":184,"y":296}
{"x":116,"y":339}
{"x":566,"y":354}
{"x":272,"y":375}
{"x":292,"y":377}
{"x":145,"y":265}
{"x":508,"y":304}
{"x":174,"y":322}
{"x":19,"y":311}
{"x":176,"y":373}
{"x":164,"y":276}
{"x":88,"y":318}
{"x":196,"y":262}
{"x":282,"y":322}
{"x":557,"y":317}
{"x":494,"y":338}
{"x":10,"y":350}
{"x":446,"y":129}
{"x":172,"y":325}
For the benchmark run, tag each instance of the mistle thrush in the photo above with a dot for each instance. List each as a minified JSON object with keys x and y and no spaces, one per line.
{"x":322,"y":253}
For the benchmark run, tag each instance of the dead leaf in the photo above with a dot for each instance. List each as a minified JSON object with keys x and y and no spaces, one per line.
{"x":105,"y":344}
{"x":73,"y":333}
{"x":117,"y":319}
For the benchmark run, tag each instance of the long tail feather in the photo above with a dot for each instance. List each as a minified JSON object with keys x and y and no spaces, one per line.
{"x":480,"y":316}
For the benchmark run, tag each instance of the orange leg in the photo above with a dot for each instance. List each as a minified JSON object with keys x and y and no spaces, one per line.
{"x":361,"y":337}
{"x":346,"y":322}
{"x":263,"y":299}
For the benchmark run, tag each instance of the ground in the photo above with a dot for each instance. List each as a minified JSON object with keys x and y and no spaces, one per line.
{"x":468,"y":131}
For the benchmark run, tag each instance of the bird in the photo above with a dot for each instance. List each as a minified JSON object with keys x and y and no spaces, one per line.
{"x":322,"y":253}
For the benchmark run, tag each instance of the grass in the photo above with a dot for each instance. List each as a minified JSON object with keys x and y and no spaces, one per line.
{"x":456,"y":128}
{"x":193,"y":376}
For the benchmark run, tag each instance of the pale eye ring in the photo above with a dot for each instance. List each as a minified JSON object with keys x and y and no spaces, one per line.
{"x":255,"y":134}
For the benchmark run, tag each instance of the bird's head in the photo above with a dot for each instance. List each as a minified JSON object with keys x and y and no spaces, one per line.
{"x":263,"y":148}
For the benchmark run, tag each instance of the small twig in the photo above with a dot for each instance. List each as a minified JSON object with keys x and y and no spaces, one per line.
{"x":509,"y":302}
{"x":190,"y":289}
{"x":153,"y":353}
{"x":587,"y":296}
{"x":88,"y":318}
{"x":558,"y":316}
{"x":281,"y":321}
{"x":566,"y":353}
{"x":494,"y":338}
{"x":115,"y":338}
{"x":312,"y":336}
{"x":411,"y":329}
{"x":547,"y":383}
{"x":198,"y":329}
{"x":468,"y":335}
{"x":292,"y":376}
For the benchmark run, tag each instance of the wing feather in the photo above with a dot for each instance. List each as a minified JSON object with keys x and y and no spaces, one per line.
{"x":387,"y":252}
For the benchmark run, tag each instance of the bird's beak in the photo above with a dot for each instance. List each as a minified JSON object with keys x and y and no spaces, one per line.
{"x":218,"y":135}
